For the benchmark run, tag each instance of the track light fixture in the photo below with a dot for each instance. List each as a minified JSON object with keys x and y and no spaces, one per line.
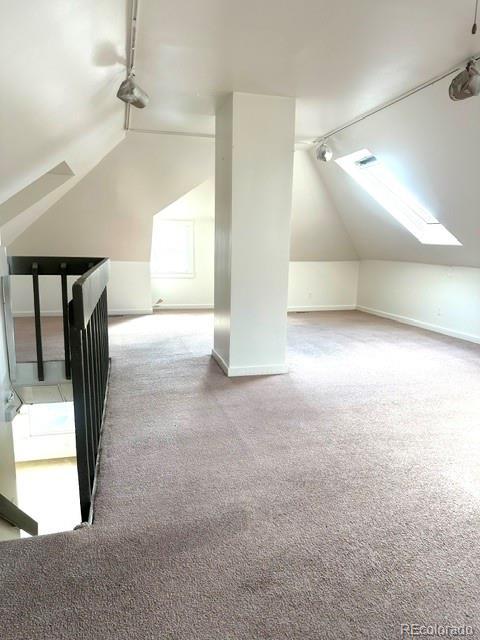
{"x":131,"y":93}
{"x":466,"y":84}
{"x":323,"y":152}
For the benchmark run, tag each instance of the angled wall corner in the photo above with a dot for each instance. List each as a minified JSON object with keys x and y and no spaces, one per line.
{"x":317,"y":229}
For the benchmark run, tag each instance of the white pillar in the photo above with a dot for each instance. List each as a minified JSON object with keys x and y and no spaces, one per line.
{"x":254,"y":146}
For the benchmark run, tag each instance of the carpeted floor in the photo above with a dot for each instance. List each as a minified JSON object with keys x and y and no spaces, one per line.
{"x":336,"y":502}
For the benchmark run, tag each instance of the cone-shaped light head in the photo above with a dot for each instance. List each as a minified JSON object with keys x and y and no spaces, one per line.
{"x":323,"y":152}
{"x":131,"y":93}
{"x":466,"y":84}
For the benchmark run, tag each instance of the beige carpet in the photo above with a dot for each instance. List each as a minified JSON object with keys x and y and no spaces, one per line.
{"x":336,"y":502}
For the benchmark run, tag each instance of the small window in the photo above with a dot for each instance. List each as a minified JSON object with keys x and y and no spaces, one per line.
{"x":370,"y":173}
{"x":173,"y":248}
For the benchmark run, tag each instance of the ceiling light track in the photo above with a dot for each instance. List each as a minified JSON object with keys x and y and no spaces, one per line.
{"x":129,"y":91}
{"x":161,"y":132}
{"x":460,"y":67}
{"x":131,"y":53}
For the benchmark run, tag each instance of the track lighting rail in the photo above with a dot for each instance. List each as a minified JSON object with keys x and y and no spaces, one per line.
{"x":390,"y":103}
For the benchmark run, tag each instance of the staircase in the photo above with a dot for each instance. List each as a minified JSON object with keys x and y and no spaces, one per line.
{"x":82,"y":374}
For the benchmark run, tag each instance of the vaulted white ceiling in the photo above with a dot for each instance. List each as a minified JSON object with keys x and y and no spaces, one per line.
{"x":62,"y":62}
{"x":339,"y":58}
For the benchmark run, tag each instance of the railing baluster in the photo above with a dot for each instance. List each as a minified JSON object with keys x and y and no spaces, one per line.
{"x":66,"y":324}
{"x":38,"y":325}
{"x":85,"y":459}
{"x":92,"y":419}
{"x":105,"y":332}
{"x":101,"y":346}
{"x":104,"y":338}
{"x":97,"y":363}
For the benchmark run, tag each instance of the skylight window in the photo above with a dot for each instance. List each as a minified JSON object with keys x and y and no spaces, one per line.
{"x":369,"y":172}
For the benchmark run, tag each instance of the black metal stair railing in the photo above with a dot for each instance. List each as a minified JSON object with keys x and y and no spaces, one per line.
{"x":85,"y":338}
{"x":90,"y":368}
{"x":37,"y":267}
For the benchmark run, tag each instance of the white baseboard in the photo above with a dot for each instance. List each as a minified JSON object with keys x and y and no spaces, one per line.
{"x":220,"y":361}
{"x":422,"y":325}
{"x":260,"y":370}
{"x":130,"y":312}
{"x":323,"y":307}
{"x":111,"y":312}
{"x":180,"y":307}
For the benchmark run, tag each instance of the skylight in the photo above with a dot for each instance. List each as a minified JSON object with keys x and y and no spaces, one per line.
{"x":369,"y":172}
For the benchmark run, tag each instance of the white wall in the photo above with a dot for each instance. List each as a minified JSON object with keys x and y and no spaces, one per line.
{"x":129,"y":291}
{"x":317,"y":286}
{"x":317,"y":231}
{"x":440,"y":298}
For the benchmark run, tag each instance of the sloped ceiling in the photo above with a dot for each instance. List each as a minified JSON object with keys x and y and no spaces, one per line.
{"x":339,"y":58}
{"x":432,"y":145}
{"x":62,"y":64}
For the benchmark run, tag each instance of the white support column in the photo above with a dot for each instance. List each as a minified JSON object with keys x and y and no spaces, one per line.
{"x":254,"y":148}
